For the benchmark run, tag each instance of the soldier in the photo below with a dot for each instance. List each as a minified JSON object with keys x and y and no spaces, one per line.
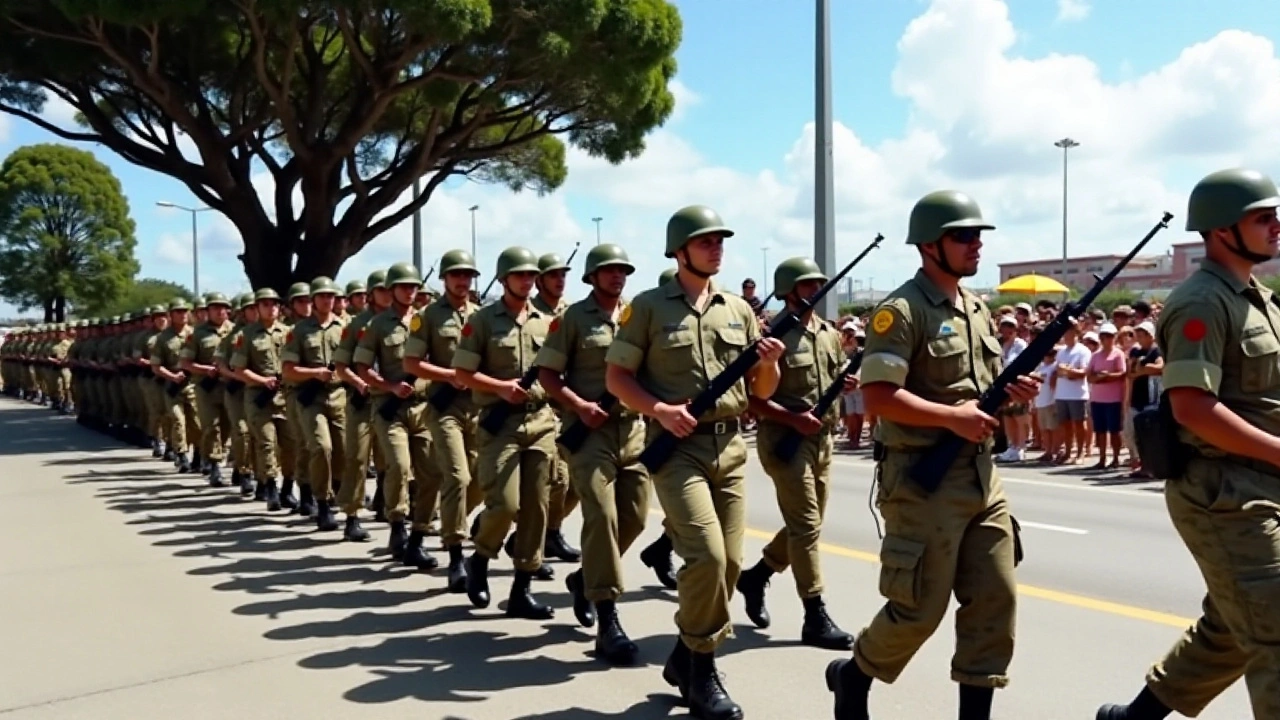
{"x":153,"y":396}
{"x":199,"y":359}
{"x":666,"y":276}
{"x":357,"y":298}
{"x":813,"y":360}
{"x":255,"y":360}
{"x":428,"y":355}
{"x":59,"y":375}
{"x":300,"y":309}
{"x":179,"y":395}
{"x":399,"y":403}
{"x":671,"y":342}
{"x":339,"y":303}
{"x":552,"y":276}
{"x":930,"y":354}
{"x":610,"y":481}
{"x":199,"y":313}
{"x":308,"y":363}
{"x":498,"y":346}
{"x":1218,"y":334}
{"x":242,"y":444}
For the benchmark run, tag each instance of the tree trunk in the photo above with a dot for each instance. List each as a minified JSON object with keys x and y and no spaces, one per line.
{"x":60,"y":308}
{"x":268,"y":261}
{"x":48,"y":310}
{"x":320,"y":258}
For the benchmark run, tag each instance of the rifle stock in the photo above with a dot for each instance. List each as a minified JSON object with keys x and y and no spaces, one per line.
{"x":390,"y":407}
{"x":443,"y":397}
{"x":789,"y":445}
{"x":572,"y":437}
{"x":656,"y":454}
{"x":937,"y":461}
{"x":498,"y":413}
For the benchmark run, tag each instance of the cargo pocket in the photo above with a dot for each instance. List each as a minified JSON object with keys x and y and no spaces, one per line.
{"x":900,"y":570}
{"x":1261,"y":597}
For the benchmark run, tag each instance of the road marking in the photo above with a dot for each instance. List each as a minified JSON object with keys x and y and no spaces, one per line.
{"x":868,"y":464}
{"x":1054,"y":528}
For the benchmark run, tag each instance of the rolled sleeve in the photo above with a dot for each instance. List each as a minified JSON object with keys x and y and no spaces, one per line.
{"x":1195,"y":374}
{"x":363,"y":356}
{"x":551,"y":359}
{"x":890,"y":342}
{"x":415,"y":348}
{"x":289,"y":355}
{"x":239,"y":360}
{"x":1193,"y":340}
{"x":886,"y":368}
{"x":624,"y":355}
{"x":629,"y":344}
{"x":466,"y":360}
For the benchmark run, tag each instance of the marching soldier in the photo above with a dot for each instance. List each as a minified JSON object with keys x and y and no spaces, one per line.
{"x":1218,"y":334}
{"x":243,"y":448}
{"x":813,"y":360}
{"x":179,"y":395}
{"x":153,"y":387}
{"x":357,"y":299}
{"x":308,"y":363}
{"x":299,"y":309}
{"x":930,"y":353}
{"x":428,"y":355}
{"x":498,"y":346}
{"x":610,"y":481}
{"x":255,"y":360}
{"x":671,"y":342}
{"x":199,"y":359}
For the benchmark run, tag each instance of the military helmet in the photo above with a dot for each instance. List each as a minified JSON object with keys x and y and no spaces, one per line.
{"x":550,"y":262}
{"x":403,"y":273}
{"x":199,"y":304}
{"x":792,"y":271}
{"x":667,"y":276}
{"x":355,"y":287}
{"x":216,"y":298}
{"x":323,"y":285}
{"x":266,"y":293}
{"x":457,"y":260}
{"x":175,"y":304}
{"x":158,"y":310}
{"x":243,"y":300}
{"x":377,"y":279}
{"x":1222,"y":198}
{"x":299,"y":290}
{"x":516,"y":259}
{"x":940,"y":211}
{"x":692,"y":222}
{"x":603,"y":256}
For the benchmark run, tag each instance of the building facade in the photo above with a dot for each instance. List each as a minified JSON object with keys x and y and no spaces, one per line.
{"x":1145,"y":272}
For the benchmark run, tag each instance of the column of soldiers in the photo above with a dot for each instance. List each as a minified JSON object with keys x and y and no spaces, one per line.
{"x":462,"y":407}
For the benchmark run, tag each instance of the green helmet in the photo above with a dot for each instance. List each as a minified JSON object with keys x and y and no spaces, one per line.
{"x":323,"y":285}
{"x":377,"y":279}
{"x":158,"y":310}
{"x":244,"y":300}
{"x":667,"y":276}
{"x":550,"y":262}
{"x":457,"y":260}
{"x":795,"y":270}
{"x":216,"y":298}
{"x":299,"y":290}
{"x":175,"y":304}
{"x":200,"y":304}
{"x":403,"y":273}
{"x":605,"y":255}
{"x":266,"y":293}
{"x":691,"y":222}
{"x":940,"y":211}
{"x":355,"y":287}
{"x":1222,"y":198}
{"x":516,"y":259}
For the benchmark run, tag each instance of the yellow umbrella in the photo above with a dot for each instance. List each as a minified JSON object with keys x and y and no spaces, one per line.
{"x":1032,"y":284}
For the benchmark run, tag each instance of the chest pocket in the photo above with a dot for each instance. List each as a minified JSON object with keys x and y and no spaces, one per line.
{"x":798,"y":371}
{"x":1260,"y":368}
{"x":393,"y":347}
{"x":313,"y":349}
{"x":504,"y":354}
{"x":949,"y":355}
{"x":992,"y":364}
{"x":595,"y":345}
{"x":730,"y":342}
{"x":676,"y":353}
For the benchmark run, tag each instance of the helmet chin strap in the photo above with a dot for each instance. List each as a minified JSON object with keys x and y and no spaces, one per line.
{"x":1239,"y":249}
{"x":688,"y":263}
{"x":944,"y":264}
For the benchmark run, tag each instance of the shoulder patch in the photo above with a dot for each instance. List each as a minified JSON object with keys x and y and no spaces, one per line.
{"x":360,"y":335}
{"x":240,"y":341}
{"x":466,"y":330}
{"x":882,"y":321}
{"x":555,"y":325}
{"x":289,"y":337}
{"x":625,"y":316}
{"x":1194,"y":330}
{"x":346,"y":333}
{"x":416,"y":323}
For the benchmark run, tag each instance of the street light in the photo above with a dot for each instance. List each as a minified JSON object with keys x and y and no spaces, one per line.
{"x":597,"y":220}
{"x":417,"y":225}
{"x":824,"y":221}
{"x":475,"y":279}
{"x":1066,"y":144}
{"x":195,"y":251}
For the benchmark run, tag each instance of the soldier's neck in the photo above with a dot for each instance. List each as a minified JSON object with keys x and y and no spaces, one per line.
{"x":457,"y":302}
{"x":514,"y":304}
{"x":947,"y":284}
{"x":606,"y":303}
{"x":323,"y":318}
{"x":549,"y":299}
{"x":1240,"y":268}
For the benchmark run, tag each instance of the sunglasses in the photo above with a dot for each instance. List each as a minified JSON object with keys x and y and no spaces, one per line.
{"x":965,"y":236}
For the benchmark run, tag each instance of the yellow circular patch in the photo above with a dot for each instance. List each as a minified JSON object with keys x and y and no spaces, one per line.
{"x":625,"y":316}
{"x":882,"y":322}
{"x":416,"y":323}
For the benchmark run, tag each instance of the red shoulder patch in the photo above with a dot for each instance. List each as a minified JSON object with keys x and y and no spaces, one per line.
{"x":289,"y":337}
{"x":466,"y":330}
{"x":360,"y":335}
{"x":1194,"y":330}
{"x":345,"y":333}
{"x":555,"y":325}
{"x":240,"y":341}
{"x":191,"y":339}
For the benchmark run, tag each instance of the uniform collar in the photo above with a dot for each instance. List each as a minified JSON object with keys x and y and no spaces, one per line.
{"x":674,"y":290}
{"x":501,"y":308}
{"x":937,"y":297}
{"x":1225,"y":276}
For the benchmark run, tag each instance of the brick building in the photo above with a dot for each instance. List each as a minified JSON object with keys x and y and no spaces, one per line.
{"x":1145,"y":272}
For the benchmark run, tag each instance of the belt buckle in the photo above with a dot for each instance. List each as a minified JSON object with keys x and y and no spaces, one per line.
{"x":720,"y":427}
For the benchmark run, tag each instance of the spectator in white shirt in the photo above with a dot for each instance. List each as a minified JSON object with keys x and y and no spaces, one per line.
{"x":1016,"y":418}
{"x":1071,"y":395}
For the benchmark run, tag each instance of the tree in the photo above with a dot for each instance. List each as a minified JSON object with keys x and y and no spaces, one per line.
{"x":65,"y":230}
{"x":140,"y":295}
{"x":349,"y":101}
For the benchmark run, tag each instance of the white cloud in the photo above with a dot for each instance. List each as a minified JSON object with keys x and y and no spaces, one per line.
{"x":685,"y":99}
{"x":1073,"y":10}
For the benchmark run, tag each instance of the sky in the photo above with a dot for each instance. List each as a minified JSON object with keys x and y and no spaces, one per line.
{"x":958,"y":94}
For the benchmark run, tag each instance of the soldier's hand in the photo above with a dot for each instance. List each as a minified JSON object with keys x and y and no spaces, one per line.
{"x":770,"y":349}
{"x":179,"y":376}
{"x":272,"y":383}
{"x":325,"y":375}
{"x":675,"y":419}
{"x":403,"y":390}
{"x":850,"y":383}
{"x":513,"y":393}
{"x":1024,"y":389}
{"x":970,"y":423}
{"x":591,"y":415}
{"x":805,"y":423}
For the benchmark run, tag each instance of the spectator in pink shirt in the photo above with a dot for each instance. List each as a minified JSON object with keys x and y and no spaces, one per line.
{"x":1106,"y":399}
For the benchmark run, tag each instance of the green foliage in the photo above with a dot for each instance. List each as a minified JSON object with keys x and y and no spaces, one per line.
{"x":140,"y":295}
{"x":65,"y":231}
{"x":1272,"y":282}
{"x":349,"y":101}
{"x":856,"y":308}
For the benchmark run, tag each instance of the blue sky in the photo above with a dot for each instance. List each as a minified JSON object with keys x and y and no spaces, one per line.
{"x":746,"y":72}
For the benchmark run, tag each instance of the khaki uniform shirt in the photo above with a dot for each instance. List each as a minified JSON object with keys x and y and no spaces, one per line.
{"x":203,"y":342}
{"x":258,"y":348}
{"x":434,"y":334}
{"x":350,"y":334}
{"x":495,"y":343}
{"x":167,"y":350}
{"x":675,"y":351}
{"x":576,"y":346}
{"x":381,"y":343}
{"x":812,"y":361}
{"x":540,"y":302}
{"x":312,"y":345}
{"x":919,"y":340}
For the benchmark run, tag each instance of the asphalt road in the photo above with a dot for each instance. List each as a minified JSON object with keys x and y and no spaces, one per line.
{"x":133,"y":592}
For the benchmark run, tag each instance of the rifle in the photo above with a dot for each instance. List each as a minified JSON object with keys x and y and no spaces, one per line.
{"x":308,"y":391}
{"x":656,"y":454}
{"x":930,"y":469}
{"x":358,"y":401}
{"x":789,"y":445}
{"x":173,"y":388}
{"x":235,"y":386}
{"x":572,"y":437}
{"x":498,"y":413}
{"x":390,"y":407}
{"x":444,"y":396}
{"x":266,"y":395}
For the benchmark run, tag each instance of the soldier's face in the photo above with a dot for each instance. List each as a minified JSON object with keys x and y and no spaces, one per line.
{"x":1260,"y":231}
{"x":219,"y":313}
{"x":202,"y":316}
{"x":339,"y":305}
{"x":357,"y":301}
{"x":301,"y":307}
{"x":553,"y":282}
{"x":706,"y":252}
{"x":251,"y":314}
{"x":404,"y":294}
{"x":268,"y":311}
{"x":806,"y":289}
{"x":963,"y":249}
{"x":381,"y":297}
{"x":520,"y":284}
{"x":178,"y":317}
{"x":160,"y":321}
{"x":611,"y":280}
{"x":324,"y":303}
{"x":458,"y":283}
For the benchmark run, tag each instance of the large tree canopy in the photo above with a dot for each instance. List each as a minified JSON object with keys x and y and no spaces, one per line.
{"x":65,"y":230}
{"x":347,"y":100}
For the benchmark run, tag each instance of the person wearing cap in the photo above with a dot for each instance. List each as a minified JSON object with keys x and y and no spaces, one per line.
{"x":749,"y":294}
{"x":671,"y":342}
{"x":931,"y":352}
{"x":1218,"y":332}
{"x":853,"y":409}
{"x":197,"y":359}
{"x":1121,"y":316}
{"x":179,"y":393}
{"x":1145,"y":367}
{"x":1071,"y":396}
{"x":243,"y":448}
{"x":1106,"y":377}
{"x":1015,"y":417}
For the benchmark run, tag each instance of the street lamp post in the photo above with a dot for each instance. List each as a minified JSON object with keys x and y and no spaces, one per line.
{"x":1066,"y":144}
{"x":824,"y":238}
{"x":195,"y":250}
{"x":417,"y":225}
{"x":597,"y":221}
{"x":476,"y":278}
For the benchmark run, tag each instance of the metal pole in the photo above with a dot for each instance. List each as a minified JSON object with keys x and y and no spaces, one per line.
{"x":1066,"y":144}
{"x":195,"y":256}
{"x":475,"y":281}
{"x":417,"y":225}
{"x":764,"y":266}
{"x":824,"y":239}
{"x":597,"y":220}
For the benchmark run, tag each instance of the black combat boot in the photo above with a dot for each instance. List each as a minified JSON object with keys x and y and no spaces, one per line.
{"x":544,"y":572}
{"x":397,"y":540}
{"x":752,"y":584}
{"x":708,"y":699}
{"x":287,"y":500}
{"x":819,"y":630}
{"x":676,"y":671}
{"x":378,"y":506}
{"x":581,"y":605}
{"x":156,"y":451}
{"x":612,"y":644}
{"x":521,"y":603}
{"x":657,"y":557}
{"x":851,"y":687}
{"x":353,"y":532}
{"x":325,"y":521}
{"x":197,"y":463}
{"x":1144,"y":707}
{"x":167,"y":455}
{"x":215,"y":475}
{"x":183,"y":463}
{"x":247,"y":486}
{"x":975,"y":702}
{"x":306,"y":501}
{"x":477,"y":568}
{"x":557,"y":547}
{"x":415,"y":556}
{"x":457,"y":570}
{"x":271,"y":494}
